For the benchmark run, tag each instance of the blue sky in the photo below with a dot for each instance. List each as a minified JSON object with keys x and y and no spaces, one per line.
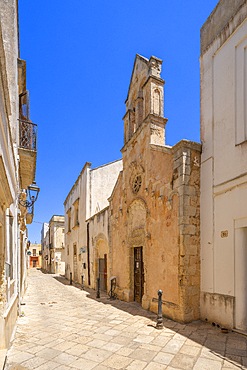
{"x":80,"y":56}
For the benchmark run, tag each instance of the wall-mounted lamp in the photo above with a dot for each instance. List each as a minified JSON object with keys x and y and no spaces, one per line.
{"x":32,"y":196}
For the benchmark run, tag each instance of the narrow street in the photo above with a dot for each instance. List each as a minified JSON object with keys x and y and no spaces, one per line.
{"x":63,"y":327}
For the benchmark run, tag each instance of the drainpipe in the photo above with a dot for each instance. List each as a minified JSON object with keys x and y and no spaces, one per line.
{"x":88,"y":255}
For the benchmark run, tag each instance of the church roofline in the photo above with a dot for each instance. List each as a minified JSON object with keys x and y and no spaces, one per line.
{"x":146,"y":61}
{"x":87,"y":165}
{"x":115,"y":186}
{"x":106,"y":164}
{"x":97,"y":214}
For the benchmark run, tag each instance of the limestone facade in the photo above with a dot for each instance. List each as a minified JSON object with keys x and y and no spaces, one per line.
{"x":16,"y":154}
{"x":33,"y":255}
{"x":223,"y":169}
{"x":98,"y":232}
{"x":53,"y":246}
{"x":45,"y":246}
{"x":154,"y":213}
{"x":88,"y":196}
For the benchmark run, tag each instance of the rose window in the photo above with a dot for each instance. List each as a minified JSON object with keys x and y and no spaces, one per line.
{"x":137,"y":184}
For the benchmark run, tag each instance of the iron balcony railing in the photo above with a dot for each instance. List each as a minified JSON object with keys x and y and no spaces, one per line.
{"x":28,"y":135}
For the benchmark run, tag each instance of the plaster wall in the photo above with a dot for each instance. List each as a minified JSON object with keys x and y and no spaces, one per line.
{"x":223,"y":167}
{"x":8,"y":17}
{"x":10,"y":251}
{"x":103,"y":180}
{"x":90,"y":194}
{"x":74,"y":233}
{"x":99,"y":245}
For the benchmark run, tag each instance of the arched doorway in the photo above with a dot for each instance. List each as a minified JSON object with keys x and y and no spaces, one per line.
{"x":101,"y":261}
{"x":137,"y":214}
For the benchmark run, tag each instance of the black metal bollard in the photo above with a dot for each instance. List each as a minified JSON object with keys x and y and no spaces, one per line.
{"x":70,"y":278}
{"x":159,"y":324}
{"x":98,"y":288}
{"x":82,"y":283}
{"x":113,"y":287}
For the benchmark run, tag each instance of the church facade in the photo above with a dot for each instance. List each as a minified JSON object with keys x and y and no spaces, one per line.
{"x":154,"y":212}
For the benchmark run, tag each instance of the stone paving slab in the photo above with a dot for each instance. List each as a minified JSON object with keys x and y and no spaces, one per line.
{"x":66,"y":328}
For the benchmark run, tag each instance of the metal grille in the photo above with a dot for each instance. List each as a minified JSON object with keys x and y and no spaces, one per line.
{"x":28,"y":135}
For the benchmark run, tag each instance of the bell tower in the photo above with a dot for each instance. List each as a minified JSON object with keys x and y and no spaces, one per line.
{"x":145,"y":100}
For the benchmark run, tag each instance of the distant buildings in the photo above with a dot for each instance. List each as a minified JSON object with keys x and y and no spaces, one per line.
{"x":17,"y":172}
{"x":53,"y":249}
{"x":34,"y":255}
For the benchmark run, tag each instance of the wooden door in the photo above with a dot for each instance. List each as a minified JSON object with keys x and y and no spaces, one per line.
{"x":103,"y":272}
{"x":75,"y":270}
{"x":138,"y":274}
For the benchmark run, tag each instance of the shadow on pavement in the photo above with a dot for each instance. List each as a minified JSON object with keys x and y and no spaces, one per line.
{"x":131,"y":307}
{"x":229,"y":345}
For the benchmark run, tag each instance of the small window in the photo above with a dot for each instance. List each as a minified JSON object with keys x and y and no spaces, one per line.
{"x":76,"y":213}
{"x":74,"y":250}
{"x":69,"y":220}
{"x":67,"y":250}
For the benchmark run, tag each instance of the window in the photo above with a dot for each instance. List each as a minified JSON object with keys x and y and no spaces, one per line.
{"x":76,"y":213}
{"x":69,"y":220}
{"x":67,"y":250}
{"x":10,"y":250}
{"x":74,"y":250}
{"x":136,"y":184}
{"x":34,"y":252}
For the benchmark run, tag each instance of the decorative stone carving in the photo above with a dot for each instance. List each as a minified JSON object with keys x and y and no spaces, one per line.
{"x":136,"y":177}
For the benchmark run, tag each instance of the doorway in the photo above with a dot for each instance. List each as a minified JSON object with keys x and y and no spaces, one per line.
{"x":138,"y":274}
{"x":241,"y":278}
{"x":75,"y":262}
{"x":103,"y":272}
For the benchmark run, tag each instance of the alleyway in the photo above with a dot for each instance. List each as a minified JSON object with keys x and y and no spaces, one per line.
{"x":63,"y":327}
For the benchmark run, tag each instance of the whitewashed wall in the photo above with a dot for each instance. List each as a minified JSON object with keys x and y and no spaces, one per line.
{"x":224,"y":176}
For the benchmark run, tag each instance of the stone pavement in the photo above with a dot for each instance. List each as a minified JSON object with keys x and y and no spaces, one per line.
{"x":64,"y":327}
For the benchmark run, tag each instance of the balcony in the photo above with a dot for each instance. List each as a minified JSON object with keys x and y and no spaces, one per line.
{"x":27,"y":152}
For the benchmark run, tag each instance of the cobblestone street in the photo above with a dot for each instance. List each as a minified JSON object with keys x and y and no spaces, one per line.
{"x":64,"y":327}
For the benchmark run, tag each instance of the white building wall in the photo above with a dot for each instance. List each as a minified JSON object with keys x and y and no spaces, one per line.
{"x":10,"y":255}
{"x":103,"y":180}
{"x":77,"y":235}
{"x":99,"y":245}
{"x":224,"y":169}
{"x":90,"y":193}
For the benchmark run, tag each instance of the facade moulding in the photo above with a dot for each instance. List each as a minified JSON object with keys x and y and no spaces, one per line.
{"x":214,"y":29}
{"x":97,"y":214}
{"x":6,"y":197}
{"x":231,"y":184}
{"x":86,"y":165}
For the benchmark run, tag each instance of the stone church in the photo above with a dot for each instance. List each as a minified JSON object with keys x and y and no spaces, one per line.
{"x":146,"y":228}
{"x":154,"y":211}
